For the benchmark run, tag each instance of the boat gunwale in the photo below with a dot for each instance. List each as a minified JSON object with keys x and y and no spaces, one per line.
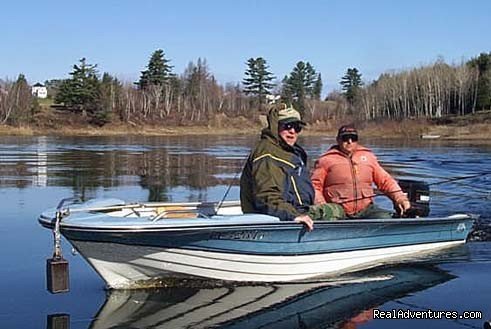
{"x":161,"y":227}
{"x":296,"y":255}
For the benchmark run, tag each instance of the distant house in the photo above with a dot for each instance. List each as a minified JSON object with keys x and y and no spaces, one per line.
{"x":39,"y":90}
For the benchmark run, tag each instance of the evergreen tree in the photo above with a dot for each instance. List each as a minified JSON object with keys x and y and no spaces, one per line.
{"x":81,"y":91}
{"x":483,"y":95}
{"x":300,"y":85}
{"x":351,"y":83}
{"x":310,"y":79}
{"x":158,"y":71}
{"x":21,"y":79}
{"x":258,"y":79}
{"x":317,"y":89}
{"x":53,"y":86}
{"x":286,"y":90}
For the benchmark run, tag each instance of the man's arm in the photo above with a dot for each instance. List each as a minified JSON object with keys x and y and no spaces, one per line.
{"x":318,"y":178}
{"x":389,"y":187}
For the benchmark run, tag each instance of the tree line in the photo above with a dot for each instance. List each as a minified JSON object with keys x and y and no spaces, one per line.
{"x":195,"y":97}
{"x":433,"y":91}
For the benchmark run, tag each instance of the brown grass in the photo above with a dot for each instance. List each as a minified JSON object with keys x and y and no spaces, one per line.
{"x":471,"y":127}
{"x":16,"y":131}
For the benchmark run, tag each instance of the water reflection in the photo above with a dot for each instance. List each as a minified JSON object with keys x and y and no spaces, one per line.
{"x":201,"y":168}
{"x":86,"y":164}
{"x":340,"y":303}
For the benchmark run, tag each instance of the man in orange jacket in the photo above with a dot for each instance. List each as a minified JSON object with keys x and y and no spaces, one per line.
{"x":345,"y":174}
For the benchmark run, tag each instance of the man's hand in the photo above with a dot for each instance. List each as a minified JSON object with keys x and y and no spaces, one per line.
{"x":306,"y":220}
{"x":403,"y":205}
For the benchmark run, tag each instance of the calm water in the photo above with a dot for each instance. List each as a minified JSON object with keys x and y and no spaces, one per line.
{"x":36,"y":172}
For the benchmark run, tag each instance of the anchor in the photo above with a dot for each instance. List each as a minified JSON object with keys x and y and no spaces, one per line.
{"x":57,"y":267}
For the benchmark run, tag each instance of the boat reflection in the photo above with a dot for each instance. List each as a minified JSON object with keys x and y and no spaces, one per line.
{"x":336,"y":303}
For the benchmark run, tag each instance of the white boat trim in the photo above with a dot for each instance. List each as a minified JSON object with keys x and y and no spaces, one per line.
{"x":135,"y":265}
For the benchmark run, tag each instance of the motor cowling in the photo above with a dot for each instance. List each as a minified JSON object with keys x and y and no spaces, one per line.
{"x":418,"y":193}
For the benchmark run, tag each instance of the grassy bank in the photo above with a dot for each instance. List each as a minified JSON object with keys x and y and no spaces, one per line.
{"x":470,"y":127}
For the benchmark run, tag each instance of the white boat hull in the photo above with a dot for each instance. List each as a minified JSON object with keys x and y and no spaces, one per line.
{"x":136,"y":266}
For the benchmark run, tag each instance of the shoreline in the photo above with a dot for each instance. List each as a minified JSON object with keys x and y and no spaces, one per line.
{"x":472,"y":128}
{"x":442,"y":133}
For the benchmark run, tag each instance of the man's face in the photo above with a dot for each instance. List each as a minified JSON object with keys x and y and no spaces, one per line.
{"x":289,"y":132}
{"x":348,"y":143}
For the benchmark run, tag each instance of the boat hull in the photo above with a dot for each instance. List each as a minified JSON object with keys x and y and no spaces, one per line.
{"x":130,"y":267}
{"x":139,"y":245}
{"x":270,"y":252}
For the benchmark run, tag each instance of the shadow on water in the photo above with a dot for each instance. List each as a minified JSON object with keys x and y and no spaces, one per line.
{"x":331,"y":303}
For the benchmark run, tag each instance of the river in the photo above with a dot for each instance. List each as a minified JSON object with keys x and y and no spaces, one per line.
{"x":37,"y":172}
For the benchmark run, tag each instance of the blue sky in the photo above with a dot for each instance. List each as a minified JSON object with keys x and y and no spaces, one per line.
{"x":43,"y":39}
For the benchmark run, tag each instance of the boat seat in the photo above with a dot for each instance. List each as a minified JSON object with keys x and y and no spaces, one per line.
{"x":175,"y":212}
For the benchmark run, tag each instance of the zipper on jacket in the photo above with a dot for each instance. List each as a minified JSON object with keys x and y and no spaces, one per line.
{"x":355,"y":189}
{"x":296,"y":190}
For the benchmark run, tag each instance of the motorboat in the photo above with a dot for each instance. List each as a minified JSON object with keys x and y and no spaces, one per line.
{"x":145,"y":244}
{"x":429,"y":136}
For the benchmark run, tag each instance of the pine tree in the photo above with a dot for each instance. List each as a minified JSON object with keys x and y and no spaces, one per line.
{"x":317,"y":89}
{"x":258,"y":79}
{"x":310,"y":79}
{"x":483,"y":65}
{"x":81,"y":91}
{"x":53,"y":86}
{"x":286,"y":90}
{"x":158,"y":71}
{"x":351,"y":83}
{"x":301,"y":85}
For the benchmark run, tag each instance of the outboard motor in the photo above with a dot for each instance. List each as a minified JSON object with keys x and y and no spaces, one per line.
{"x":418,"y":193}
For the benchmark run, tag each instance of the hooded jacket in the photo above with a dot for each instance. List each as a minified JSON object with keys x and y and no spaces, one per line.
{"x":275,"y":180}
{"x":347,"y":180}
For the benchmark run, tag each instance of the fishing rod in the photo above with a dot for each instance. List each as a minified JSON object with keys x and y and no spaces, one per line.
{"x":484,"y":173}
{"x":430,"y":184}
{"x":418,"y":193}
{"x":230,"y":185}
{"x":413,"y":197}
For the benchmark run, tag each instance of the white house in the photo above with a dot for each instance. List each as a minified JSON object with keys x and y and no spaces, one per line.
{"x":39,"y":91}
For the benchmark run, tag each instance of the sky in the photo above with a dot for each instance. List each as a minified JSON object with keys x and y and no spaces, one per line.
{"x":44,"y":39}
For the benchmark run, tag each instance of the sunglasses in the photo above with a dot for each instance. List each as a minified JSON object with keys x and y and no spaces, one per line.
{"x":287,"y":126}
{"x":345,"y":138}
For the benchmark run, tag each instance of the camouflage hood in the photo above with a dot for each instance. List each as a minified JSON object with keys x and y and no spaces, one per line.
{"x":277,"y":113}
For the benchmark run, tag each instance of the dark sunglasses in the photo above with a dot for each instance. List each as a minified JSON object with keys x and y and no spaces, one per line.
{"x":287,"y":126}
{"x":345,"y":138}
